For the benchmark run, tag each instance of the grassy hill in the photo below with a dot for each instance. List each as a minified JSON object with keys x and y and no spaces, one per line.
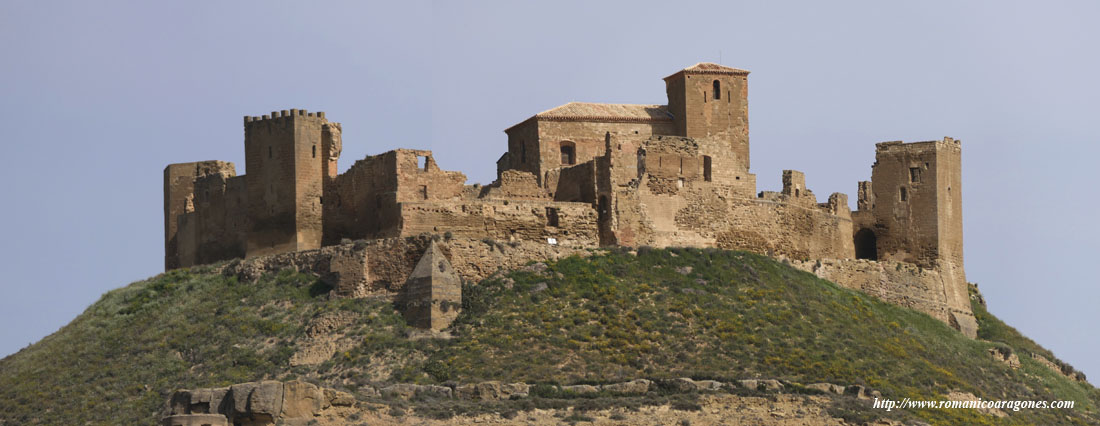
{"x":611,"y":317}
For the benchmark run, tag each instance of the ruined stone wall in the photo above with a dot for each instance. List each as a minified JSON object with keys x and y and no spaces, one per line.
{"x":929,"y":290}
{"x":661,"y":193}
{"x":419,"y":178}
{"x":382,"y":267}
{"x":576,"y":183}
{"x":215,"y":224}
{"x":511,"y":220}
{"x":362,"y":202}
{"x":179,"y":190}
{"x":515,"y":184}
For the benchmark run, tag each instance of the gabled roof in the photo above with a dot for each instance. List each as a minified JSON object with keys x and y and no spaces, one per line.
{"x":603,"y":113}
{"x":710,"y":68}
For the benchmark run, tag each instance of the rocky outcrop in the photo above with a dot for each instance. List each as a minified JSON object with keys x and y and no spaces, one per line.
{"x":253,"y":403}
{"x":301,"y":403}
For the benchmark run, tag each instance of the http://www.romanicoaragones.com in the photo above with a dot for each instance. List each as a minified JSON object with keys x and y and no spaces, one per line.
{"x":1017,"y":405}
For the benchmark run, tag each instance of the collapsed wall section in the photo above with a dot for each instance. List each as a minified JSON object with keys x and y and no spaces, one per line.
{"x":365,"y":201}
{"x":179,"y":192}
{"x":674,"y":191}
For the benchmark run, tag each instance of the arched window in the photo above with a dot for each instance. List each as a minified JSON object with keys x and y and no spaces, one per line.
{"x":717,"y":90}
{"x":568,"y":153}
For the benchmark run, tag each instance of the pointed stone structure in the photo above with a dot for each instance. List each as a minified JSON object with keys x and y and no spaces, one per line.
{"x":434,"y":292}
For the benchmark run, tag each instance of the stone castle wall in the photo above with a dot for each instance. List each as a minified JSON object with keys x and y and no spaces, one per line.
{"x":580,"y":175}
{"x":382,"y":267}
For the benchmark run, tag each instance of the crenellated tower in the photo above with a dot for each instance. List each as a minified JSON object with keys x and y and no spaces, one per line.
{"x":289,"y":156}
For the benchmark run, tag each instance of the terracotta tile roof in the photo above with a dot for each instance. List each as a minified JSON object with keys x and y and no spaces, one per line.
{"x":710,"y":68}
{"x":615,"y":113}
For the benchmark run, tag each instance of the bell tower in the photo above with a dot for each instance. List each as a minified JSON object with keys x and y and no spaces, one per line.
{"x":711,"y":100}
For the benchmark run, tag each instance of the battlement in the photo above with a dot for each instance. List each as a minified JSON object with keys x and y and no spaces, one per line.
{"x":277,"y":115}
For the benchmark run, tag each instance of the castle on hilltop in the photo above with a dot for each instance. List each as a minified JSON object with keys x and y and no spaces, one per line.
{"x":590,"y":175}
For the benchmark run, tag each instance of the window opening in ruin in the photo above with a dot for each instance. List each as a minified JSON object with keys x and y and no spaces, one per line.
{"x":568,"y":153}
{"x":314,"y":151}
{"x":704,"y":96}
{"x":680,"y":183}
{"x":601,"y":209}
{"x":796,"y":192}
{"x":914,"y":174}
{"x":424,"y":192}
{"x":706,"y":168}
{"x":865,"y":241}
{"x":681,"y":165}
{"x":717,"y":90}
{"x":728,"y":96}
{"x":904,"y":194}
{"x":551,"y":216}
{"x":422,"y":162}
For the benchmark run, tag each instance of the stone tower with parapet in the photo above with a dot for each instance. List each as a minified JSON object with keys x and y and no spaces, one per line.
{"x":290,"y":156}
{"x":711,"y":100}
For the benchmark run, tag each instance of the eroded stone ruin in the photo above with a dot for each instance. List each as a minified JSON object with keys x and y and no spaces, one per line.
{"x":583,"y":175}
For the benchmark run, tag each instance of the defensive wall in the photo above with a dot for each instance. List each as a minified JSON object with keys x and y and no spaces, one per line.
{"x":582,"y":175}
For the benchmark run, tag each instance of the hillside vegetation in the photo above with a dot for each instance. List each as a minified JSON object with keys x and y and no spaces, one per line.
{"x":611,"y":317}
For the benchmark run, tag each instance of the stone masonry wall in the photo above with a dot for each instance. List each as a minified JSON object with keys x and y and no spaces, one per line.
{"x":286,"y":164}
{"x":215,"y":225}
{"x":699,"y":113}
{"x":382,"y":267}
{"x":672,"y":199}
{"x":633,"y":175}
{"x":512,"y":220}
{"x":903,"y":284}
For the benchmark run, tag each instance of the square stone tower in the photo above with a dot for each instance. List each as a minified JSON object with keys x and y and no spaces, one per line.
{"x":917,"y":202}
{"x":288,"y":157}
{"x":708,"y":99}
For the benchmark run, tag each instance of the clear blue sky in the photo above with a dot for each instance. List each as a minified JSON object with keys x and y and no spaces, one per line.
{"x":97,"y":97}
